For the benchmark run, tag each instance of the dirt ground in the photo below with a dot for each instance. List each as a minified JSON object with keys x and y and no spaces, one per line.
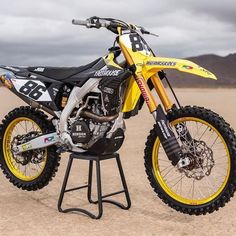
{"x":35,"y":213}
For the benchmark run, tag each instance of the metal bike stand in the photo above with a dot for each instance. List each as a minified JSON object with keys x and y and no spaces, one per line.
{"x":99,"y":201}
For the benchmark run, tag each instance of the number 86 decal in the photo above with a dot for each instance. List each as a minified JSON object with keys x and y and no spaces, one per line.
{"x":33,"y":90}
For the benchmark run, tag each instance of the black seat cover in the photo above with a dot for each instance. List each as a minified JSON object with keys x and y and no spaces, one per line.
{"x":60,"y":73}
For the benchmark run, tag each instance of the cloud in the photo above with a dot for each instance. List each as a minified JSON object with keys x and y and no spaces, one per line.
{"x":41,"y":33}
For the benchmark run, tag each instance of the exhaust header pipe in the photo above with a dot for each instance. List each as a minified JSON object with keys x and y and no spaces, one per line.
{"x":100,"y":119}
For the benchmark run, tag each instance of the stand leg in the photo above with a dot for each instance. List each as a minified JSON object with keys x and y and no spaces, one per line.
{"x":99,"y":190}
{"x":63,"y":190}
{"x":124,"y":182}
{"x":122,"y":176}
{"x":90,"y":179}
{"x":64,"y":184}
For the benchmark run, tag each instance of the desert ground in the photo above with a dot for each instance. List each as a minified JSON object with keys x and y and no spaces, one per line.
{"x":35,"y":213}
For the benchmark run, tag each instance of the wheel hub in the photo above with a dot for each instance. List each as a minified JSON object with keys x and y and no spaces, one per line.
{"x":200,"y":158}
{"x":33,"y":156}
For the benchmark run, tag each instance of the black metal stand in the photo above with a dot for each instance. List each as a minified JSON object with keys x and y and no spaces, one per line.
{"x":100,"y":200}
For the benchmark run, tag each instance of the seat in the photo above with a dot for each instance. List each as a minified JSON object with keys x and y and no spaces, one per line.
{"x":60,"y":73}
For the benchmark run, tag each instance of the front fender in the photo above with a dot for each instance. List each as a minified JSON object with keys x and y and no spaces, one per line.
{"x":154,"y":64}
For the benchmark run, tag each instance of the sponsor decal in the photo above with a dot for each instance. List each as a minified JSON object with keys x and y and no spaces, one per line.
{"x":143,"y":90}
{"x":164,"y":129}
{"x":205,"y":71}
{"x":187,"y":67}
{"x":54,"y":91}
{"x":39,"y":69}
{"x":78,"y":128}
{"x":26,"y":147}
{"x":108,"y":90}
{"x":12,"y":68}
{"x":49,"y":139}
{"x":161,"y":63}
{"x":105,"y":71}
{"x":33,"y":76}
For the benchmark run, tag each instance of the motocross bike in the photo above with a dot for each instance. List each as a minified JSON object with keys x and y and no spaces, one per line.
{"x":190,"y":153}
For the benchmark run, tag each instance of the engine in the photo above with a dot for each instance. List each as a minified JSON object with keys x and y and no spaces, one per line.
{"x":95,"y":125}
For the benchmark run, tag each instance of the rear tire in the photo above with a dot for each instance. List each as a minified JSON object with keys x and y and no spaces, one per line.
{"x":229,"y":188}
{"x":51,"y":156}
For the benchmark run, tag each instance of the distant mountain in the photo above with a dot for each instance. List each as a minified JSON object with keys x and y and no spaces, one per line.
{"x":223,"y":67}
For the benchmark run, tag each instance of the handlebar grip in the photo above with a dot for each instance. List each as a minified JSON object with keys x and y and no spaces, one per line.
{"x":80,"y":22}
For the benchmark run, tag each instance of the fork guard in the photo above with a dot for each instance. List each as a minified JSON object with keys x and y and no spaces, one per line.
{"x":167,"y":137}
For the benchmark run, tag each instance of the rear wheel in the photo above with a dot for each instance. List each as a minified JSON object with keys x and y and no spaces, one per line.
{"x":31,"y":170}
{"x":210,"y":180}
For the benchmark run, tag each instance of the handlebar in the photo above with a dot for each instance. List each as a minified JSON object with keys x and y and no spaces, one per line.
{"x":93,"y":22}
{"x":110,"y":24}
{"x":79,"y":22}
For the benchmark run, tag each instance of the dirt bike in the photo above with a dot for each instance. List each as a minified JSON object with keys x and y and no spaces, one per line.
{"x":190,"y":154}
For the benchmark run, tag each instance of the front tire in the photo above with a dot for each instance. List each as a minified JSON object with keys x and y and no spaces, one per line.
{"x":205,"y":195}
{"x":34,"y":169}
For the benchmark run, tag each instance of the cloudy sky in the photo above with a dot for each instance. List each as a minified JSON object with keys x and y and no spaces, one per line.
{"x":41,"y":33}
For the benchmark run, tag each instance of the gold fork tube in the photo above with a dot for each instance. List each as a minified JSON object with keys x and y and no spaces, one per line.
{"x":146,"y":93}
{"x":161,"y":91}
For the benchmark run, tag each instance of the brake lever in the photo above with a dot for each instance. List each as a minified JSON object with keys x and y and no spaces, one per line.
{"x":144,"y":31}
{"x":153,"y":34}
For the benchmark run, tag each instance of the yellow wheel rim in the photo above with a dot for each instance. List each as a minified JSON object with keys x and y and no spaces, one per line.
{"x":30,"y":171}
{"x":197,"y":196}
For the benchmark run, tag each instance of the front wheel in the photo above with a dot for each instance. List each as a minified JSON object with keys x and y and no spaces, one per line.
{"x":210,"y":180}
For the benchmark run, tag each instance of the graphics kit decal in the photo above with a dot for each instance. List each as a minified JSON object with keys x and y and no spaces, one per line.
{"x":161,"y":63}
{"x":105,"y":71}
{"x":39,"y":69}
{"x":204,"y":70}
{"x":26,"y":147}
{"x":187,"y":67}
{"x":143,"y":90}
{"x":49,"y":139}
{"x":12,"y":68}
{"x":164,"y":128}
{"x":33,"y":89}
{"x":133,"y":42}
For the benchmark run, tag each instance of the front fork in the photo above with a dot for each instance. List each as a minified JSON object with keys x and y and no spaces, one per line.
{"x":164,"y":131}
